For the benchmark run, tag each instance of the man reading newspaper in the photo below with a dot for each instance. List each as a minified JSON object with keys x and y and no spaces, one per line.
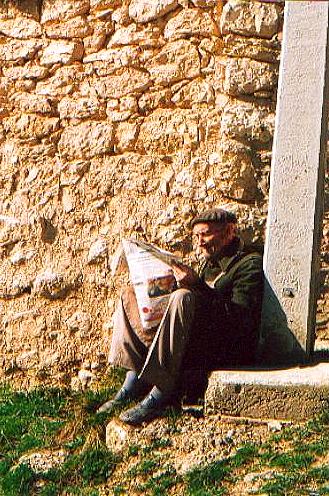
{"x":211,"y":321}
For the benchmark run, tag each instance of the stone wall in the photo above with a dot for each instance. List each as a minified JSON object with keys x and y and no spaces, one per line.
{"x":119,"y":117}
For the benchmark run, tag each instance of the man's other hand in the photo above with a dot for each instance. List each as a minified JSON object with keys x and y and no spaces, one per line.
{"x":185,"y":276}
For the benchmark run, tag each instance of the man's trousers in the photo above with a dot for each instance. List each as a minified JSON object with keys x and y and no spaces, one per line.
{"x":156,"y":355}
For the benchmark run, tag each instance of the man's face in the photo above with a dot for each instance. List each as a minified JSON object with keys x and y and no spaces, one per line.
{"x":210,"y":238}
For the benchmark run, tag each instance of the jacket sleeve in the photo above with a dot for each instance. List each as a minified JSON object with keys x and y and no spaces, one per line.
{"x":243,"y":307}
{"x":247,"y":284}
{"x":245,"y":310}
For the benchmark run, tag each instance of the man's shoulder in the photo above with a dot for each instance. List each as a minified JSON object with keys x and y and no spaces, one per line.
{"x":252,"y":257}
{"x":247,"y":260}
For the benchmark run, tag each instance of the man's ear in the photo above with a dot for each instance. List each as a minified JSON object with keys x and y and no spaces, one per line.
{"x":231,"y":231}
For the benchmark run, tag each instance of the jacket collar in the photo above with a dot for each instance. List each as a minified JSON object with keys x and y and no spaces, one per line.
{"x":226,"y":256}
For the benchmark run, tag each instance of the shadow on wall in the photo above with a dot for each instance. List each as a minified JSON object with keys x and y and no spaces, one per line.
{"x":31,"y":7}
{"x":278,"y":346}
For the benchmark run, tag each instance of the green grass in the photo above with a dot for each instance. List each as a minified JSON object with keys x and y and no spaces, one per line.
{"x":292,"y":456}
{"x":206,"y":481}
{"x":296,"y":458}
{"x":92,"y":466}
{"x":49,"y":418}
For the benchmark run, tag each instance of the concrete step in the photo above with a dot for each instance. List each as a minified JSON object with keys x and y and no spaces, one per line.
{"x":296,"y":393}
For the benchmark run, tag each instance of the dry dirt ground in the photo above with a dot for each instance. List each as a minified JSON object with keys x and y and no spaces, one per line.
{"x":178,"y":444}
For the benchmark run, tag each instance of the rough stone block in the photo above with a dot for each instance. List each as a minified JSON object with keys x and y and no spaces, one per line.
{"x":81,"y":108}
{"x":86,"y":140}
{"x":250,"y":18}
{"x":131,"y":35}
{"x":176,"y":61}
{"x":129,"y":80}
{"x":246,"y":121}
{"x":80,"y":322}
{"x":25,"y":72}
{"x":78,"y":27}
{"x":30,"y":103}
{"x":104,"y":4}
{"x":94,"y":43}
{"x":51,"y":285}
{"x":253,"y":48}
{"x":117,"y":436}
{"x":246,"y":77}
{"x":196,"y":92}
{"x":5,"y":85}
{"x":4,"y":107}
{"x":97,"y":251}
{"x":18,"y":50}
{"x":146,"y":10}
{"x":21,"y":27}
{"x":12,"y":9}
{"x":238,"y":182}
{"x":115,"y":58}
{"x":292,"y":394}
{"x":27,"y":360}
{"x":62,"y":82}
{"x":53,"y":10}
{"x":166,"y":130}
{"x":31,"y":126}
{"x":190,"y":22}
{"x":126,"y":136}
{"x":62,"y":52}
{"x":205,"y":3}
{"x":154,"y":99}
{"x":42,"y":461}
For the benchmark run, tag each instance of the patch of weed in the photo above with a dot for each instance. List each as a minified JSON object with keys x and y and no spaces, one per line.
{"x":160,"y":483}
{"x":291,"y":460}
{"x":144,"y":467}
{"x":29,"y":420}
{"x":133,"y":450}
{"x":296,"y":459}
{"x":49,"y":490}
{"x":320,"y":474}
{"x":204,"y":481}
{"x":283,"y":483}
{"x":90,"y":466}
{"x":158,"y":443}
{"x":244,"y":454}
{"x":75,"y":443}
{"x":35,"y":420}
{"x":118,"y":490}
{"x":18,"y":482}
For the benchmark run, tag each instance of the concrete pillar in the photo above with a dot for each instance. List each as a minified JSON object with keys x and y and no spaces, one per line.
{"x":294,"y":224}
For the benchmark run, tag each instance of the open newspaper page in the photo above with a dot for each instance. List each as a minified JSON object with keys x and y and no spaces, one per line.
{"x":152,"y":278}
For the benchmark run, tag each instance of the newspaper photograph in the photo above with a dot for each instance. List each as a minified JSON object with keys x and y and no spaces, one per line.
{"x":151,"y":276}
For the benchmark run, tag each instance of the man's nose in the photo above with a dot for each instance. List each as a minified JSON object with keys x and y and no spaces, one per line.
{"x":199,"y":239}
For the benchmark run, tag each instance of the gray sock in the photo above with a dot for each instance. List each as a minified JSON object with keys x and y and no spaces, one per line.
{"x":160,"y":396}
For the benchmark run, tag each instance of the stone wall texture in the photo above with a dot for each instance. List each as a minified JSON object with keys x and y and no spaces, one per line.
{"x":120,"y":117}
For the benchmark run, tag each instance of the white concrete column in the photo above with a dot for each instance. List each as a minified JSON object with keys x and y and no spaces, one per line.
{"x":294,"y":225}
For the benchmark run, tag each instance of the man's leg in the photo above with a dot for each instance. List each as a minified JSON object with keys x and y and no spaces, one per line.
{"x":165,"y":355}
{"x":128,"y":350}
{"x":130,"y":343}
{"x":162,"y":366}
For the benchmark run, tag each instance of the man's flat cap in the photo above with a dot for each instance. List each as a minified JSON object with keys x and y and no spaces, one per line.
{"x":215,"y":215}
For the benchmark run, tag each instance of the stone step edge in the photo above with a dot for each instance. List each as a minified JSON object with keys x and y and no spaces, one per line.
{"x":297,"y":393}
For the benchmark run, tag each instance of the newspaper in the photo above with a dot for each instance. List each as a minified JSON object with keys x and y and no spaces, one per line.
{"x":151,"y":276}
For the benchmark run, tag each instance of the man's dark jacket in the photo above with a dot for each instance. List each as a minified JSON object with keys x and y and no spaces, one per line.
{"x":226,"y":329}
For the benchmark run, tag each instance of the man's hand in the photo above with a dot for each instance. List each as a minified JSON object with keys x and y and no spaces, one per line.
{"x":185,"y":276}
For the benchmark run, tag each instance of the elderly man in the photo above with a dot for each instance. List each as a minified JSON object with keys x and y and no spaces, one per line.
{"x":211,"y":321}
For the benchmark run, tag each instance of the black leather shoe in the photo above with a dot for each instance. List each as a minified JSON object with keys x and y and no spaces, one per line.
{"x":120,"y":398}
{"x":124,"y":396}
{"x":147,"y":410}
